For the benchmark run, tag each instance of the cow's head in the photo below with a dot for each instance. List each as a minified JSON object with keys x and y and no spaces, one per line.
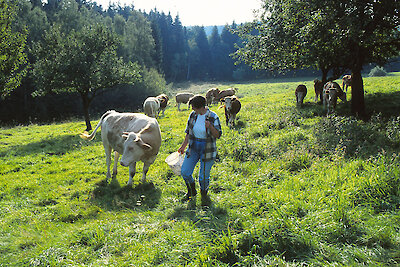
{"x":228,"y":102}
{"x":134,"y":149}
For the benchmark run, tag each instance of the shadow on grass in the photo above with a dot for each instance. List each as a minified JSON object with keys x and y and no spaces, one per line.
{"x":387,"y":104}
{"x":51,"y":146}
{"x":206,"y":215}
{"x":112,"y":196}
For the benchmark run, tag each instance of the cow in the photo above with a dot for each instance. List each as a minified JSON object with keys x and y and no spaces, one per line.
{"x":331,"y":93}
{"x":318,"y":88}
{"x":232,"y":107}
{"x":225,"y":93}
{"x":300,"y":92}
{"x":163,"y":99}
{"x":135,"y":136}
{"x":346,"y":82}
{"x":151,"y":107}
{"x":183,"y":98}
{"x":211,"y":95}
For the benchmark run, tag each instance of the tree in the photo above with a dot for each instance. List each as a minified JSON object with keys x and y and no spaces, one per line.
{"x":12,"y":48}
{"x":333,"y":35}
{"x":81,"y":62}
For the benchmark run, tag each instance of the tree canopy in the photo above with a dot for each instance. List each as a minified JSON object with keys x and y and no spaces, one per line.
{"x":332,"y":35}
{"x":12,"y":49}
{"x":81,"y":62}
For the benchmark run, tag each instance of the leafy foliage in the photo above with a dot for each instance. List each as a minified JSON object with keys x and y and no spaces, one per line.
{"x":12,"y":49}
{"x":81,"y":62}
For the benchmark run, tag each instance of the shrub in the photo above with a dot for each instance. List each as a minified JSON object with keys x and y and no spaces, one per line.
{"x":377,"y":72}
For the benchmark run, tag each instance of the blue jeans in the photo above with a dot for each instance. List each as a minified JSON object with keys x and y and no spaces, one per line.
{"x":189,"y":163}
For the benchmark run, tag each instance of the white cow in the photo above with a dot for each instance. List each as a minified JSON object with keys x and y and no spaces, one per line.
{"x":151,"y":107}
{"x":135,"y":136}
{"x":211,"y":95}
{"x":182,"y":98}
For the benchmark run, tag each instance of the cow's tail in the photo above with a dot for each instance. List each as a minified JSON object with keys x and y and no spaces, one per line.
{"x":85,"y":135}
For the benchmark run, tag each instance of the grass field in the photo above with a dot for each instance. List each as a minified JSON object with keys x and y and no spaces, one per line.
{"x":291,"y":187}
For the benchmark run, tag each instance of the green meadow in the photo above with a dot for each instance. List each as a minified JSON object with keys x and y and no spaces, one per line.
{"x":291,"y":187}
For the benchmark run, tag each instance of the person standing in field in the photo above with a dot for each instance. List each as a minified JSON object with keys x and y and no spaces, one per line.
{"x":202,"y":131}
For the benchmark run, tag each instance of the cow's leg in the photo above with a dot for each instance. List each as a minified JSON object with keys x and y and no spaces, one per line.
{"x":179,"y":105}
{"x":145,"y":170}
{"x":132,"y":171}
{"x":107,"y":149}
{"x":116,"y":157}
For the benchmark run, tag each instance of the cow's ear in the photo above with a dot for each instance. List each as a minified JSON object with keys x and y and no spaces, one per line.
{"x":145,"y":146}
{"x":142,"y":144}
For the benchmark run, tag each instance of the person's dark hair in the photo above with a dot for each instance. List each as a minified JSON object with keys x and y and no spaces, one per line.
{"x":197,"y":101}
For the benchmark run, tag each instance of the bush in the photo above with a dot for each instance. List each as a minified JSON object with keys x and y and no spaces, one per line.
{"x":377,"y":72}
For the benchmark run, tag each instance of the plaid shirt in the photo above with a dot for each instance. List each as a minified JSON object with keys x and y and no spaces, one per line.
{"x":210,"y":152}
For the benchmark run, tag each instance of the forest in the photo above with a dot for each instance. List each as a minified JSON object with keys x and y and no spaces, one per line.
{"x":163,"y":51}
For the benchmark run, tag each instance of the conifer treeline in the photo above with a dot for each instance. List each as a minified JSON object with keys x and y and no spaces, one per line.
{"x":187,"y":53}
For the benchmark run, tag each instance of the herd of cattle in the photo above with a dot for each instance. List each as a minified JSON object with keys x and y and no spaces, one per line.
{"x":327,"y":93}
{"x":153,"y":105}
{"x":137,"y":137}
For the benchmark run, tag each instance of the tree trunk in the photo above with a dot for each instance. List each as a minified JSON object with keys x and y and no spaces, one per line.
{"x":86,"y":104}
{"x":357,"y":94}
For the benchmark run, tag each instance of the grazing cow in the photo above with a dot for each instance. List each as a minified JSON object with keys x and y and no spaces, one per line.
{"x":225,"y":93}
{"x":300,"y":92}
{"x":183,"y":98}
{"x":135,"y":136}
{"x":163,"y":99}
{"x":211,"y":95}
{"x":331,"y":93}
{"x":346,"y":82}
{"x":232,"y":107}
{"x":318,"y":88}
{"x":151,"y":107}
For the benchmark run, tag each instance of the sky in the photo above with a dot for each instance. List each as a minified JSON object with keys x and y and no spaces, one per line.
{"x":197,"y":12}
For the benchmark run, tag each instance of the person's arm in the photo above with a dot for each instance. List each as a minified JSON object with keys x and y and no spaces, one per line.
{"x":212,"y":129}
{"x":184,"y":144}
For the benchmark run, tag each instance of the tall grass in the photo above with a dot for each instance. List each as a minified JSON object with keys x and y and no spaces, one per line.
{"x":290,"y":187}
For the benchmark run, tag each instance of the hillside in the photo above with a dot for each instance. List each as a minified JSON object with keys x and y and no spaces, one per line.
{"x":290,"y":187}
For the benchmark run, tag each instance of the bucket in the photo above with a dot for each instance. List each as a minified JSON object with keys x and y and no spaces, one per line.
{"x":175,"y":161}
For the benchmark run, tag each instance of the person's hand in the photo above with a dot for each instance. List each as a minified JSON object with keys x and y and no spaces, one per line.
{"x":181,"y":150}
{"x":208,"y":124}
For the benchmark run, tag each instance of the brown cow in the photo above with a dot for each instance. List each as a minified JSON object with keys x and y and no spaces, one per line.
{"x":318,"y":88}
{"x":232,"y":107}
{"x":225,"y":93}
{"x":331,"y":93}
{"x":300,"y":92}
{"x":211,"y":95}
{"x":163,"y":99}
{"x":346,"y":82}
